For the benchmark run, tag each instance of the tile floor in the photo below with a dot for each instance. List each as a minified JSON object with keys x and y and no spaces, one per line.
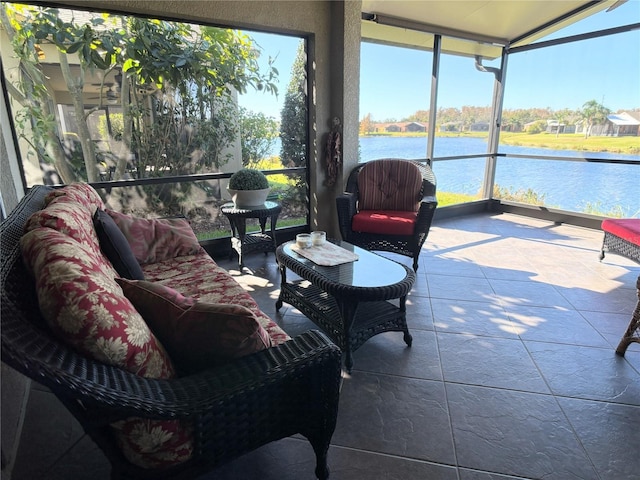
{"x":512,"y":373}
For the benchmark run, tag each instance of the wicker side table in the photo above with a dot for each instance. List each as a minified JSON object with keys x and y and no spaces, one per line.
{"x":633,"y":331}
{"x":244,"y":243}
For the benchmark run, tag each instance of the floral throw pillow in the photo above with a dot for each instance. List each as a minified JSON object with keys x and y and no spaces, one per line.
{"x":198,"y":335}
{"x":154,"y":240}
{"x":86,"y":309}
{"x":81,"y":193}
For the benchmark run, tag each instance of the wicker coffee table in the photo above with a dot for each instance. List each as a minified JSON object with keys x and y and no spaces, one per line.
{"x":351,"y":301}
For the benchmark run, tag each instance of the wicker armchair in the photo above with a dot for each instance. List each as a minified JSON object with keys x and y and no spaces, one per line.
{"x":285,"y":390}
{"x":349,"y":204}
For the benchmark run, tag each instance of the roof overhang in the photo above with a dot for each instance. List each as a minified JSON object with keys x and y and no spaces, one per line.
{"x":471,"y":27}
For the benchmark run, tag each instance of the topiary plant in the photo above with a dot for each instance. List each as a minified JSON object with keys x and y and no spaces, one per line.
{"x":248,"y":179}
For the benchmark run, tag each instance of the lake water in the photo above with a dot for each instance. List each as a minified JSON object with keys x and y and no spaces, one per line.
{"x":566,"y":185}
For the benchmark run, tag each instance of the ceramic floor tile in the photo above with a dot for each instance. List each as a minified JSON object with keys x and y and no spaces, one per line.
{"x":476,"y":318}
{"x":350,"y":464}
{"x":610,"y":325}
{"x":491,"y":362}
{"x":557,"y":325}
{"x":633,"y":356}
{"x":468,"y":474}
{"x":607,"y":431}
{"x":388,"y":354}
{"x":515,"y":433}
{"x":512,"y":272}
{"x":586,"y":372}
{"x":419,"y":314}
{"x":85,"y":461}
{"x":618,"y":300}
{"x":286,"y":459}
{"x":49,"y":431}
{"x":452,"y":265}
{"x":513,"y":293}
{"x":456,"y":287}
{"x":295,"y":323}
{"x":395,"y":416}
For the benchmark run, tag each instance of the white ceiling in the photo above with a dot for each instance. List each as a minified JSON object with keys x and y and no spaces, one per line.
{"x":486,"y":24}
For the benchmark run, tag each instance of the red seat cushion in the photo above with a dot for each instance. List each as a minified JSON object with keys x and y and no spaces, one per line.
{"x":390,"y":222}
{"x":625,"y":228}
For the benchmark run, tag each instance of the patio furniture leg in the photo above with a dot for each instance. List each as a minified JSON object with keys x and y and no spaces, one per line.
{"x":633,"y":331}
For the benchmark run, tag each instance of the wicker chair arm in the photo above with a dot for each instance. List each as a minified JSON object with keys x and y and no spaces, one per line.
{"x":428,"y":201}
{"x":346,"y":209}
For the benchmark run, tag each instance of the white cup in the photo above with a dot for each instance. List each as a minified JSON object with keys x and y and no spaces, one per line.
{"x":318,"y":237}
{"x":303,"y":240}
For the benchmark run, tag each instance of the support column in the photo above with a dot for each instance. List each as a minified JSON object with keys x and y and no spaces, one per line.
{"x":494,"y":129}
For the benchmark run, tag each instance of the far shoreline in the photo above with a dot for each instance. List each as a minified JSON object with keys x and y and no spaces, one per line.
{"x":627,"y":145}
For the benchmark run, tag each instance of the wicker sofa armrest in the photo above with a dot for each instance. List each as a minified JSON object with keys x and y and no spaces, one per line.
{"x":101,"y":386}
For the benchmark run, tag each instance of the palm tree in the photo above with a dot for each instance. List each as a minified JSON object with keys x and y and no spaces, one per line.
{"x":593,"y":113}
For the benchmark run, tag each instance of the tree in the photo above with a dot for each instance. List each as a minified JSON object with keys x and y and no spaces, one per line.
{"x":257,"y":134}
{"x":593,"y":113}
{"x":366,"y":125}
{"x":293,"y":126}
{"x":176,"y":90}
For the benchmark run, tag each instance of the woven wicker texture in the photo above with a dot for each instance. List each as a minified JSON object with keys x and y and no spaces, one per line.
{"x":347,"y":206}
{"x":349,"y":314}
{"x":633,"y":330}
{"x":285,"y":390}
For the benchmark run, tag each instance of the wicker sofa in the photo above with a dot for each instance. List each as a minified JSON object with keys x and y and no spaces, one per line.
{"x":190,"y":419}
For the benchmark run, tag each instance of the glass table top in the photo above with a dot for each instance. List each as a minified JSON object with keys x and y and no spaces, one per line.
{"x":369,"y":271}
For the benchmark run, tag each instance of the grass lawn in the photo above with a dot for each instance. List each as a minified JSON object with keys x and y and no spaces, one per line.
{"x":564,"y":141}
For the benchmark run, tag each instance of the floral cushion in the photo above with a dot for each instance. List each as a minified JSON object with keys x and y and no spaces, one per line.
{"x":81,"y":193}
{"x":115,"y":246}
{"x":197,"y":334}
{"x":65,"y":216}
{"x":389,"y":185}
{"x":154,"y":240}
{"x":200,"y":277}
{"x":85,"y":307}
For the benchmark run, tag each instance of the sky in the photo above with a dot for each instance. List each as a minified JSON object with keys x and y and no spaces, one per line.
{"x":395,"y":82}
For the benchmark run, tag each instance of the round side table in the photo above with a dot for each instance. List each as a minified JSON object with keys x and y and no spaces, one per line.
{"x":244,"y":243}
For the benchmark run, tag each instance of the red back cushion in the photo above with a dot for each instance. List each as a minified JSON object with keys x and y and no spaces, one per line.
{"x":154,"y":240}
{"x":389,"y":185}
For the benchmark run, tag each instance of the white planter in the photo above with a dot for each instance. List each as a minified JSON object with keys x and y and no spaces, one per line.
{"x":249,"y":198}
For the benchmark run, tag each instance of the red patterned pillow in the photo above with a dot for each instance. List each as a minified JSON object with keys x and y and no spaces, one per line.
{"x":197,"y":335}
{"x":154,"y":240}
{"x":389,"y":185}
{"x":199,"y":276}
{"x":84,"y":306}
{"x":82,"y":193}
{"x":66,"y":216}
